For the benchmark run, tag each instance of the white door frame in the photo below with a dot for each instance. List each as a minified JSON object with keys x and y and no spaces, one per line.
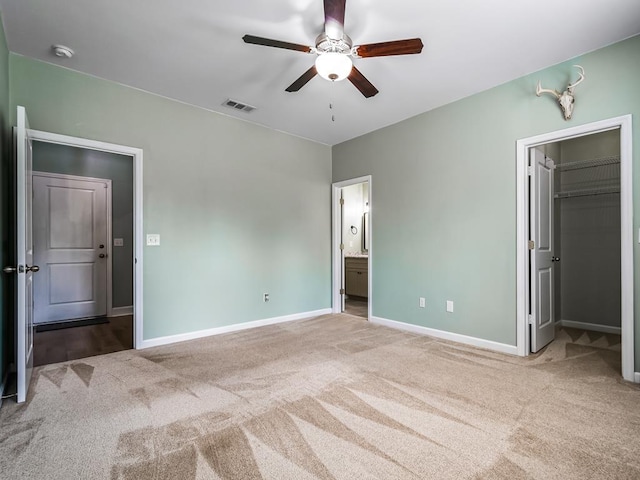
{"x":626,"y":223}
{"x":336,"y":240}
{"x":136,"y":155}
{"x":109,"y":239}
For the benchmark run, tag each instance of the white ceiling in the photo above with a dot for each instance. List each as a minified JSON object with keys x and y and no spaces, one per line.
{"x":192,"y":51}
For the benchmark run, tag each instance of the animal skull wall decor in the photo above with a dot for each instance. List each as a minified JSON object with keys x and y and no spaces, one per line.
{"x":566,"y":99}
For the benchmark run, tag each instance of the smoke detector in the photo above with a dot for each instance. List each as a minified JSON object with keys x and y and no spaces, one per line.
{"x":62,"y":51}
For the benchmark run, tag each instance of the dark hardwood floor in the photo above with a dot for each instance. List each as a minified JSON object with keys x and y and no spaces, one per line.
{"x":81,"y":342}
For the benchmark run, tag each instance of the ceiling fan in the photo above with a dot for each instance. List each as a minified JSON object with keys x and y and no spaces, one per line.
{"x":334,"y":49}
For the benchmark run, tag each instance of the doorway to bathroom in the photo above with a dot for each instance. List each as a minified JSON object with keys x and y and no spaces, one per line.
{"x":352,"y":247}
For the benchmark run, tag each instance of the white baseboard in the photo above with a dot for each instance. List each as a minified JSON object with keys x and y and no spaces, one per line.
{"x":121,"y":311}
{"x":589,"y":326}
{"x":636,"y":377}
{"x":155,"y":342}
{"x":455,"y":337}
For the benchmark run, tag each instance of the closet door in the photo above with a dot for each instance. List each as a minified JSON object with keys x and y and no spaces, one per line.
{"x":541,"y":227}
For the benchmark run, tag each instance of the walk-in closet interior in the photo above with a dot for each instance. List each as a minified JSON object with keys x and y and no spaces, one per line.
{"x":587,"y":231}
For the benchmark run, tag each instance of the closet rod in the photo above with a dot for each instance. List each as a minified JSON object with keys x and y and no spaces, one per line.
{"x":587,"y":192}
{"x":580,"y":164}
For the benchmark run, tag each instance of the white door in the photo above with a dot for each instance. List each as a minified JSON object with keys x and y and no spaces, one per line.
{"x":70,"y":246}
{"x":24,"y":253}
{"x":541,"y":231}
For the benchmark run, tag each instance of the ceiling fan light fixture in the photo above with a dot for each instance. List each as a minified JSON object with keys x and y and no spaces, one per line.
{"x":334,"y":66}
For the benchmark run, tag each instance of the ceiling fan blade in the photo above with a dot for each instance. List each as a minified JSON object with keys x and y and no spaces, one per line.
{"x":268,"y":42}
{"x":383,"y":49}
{"x":361,"y":83}
{"x":334,"y":18}
{"x":303,"y":80}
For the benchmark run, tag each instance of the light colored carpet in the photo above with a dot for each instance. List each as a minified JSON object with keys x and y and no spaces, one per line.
{"x":331,"y":398}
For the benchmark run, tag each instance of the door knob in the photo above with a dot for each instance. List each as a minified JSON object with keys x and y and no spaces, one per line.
{"x":34,"y":268}
{"x":102,"y":255}
{"x":9,"y":269}
{"x":101,"y":246}
{"x":555,"y":259}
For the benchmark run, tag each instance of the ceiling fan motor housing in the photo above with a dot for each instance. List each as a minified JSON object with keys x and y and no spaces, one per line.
{"x":324,"y":44}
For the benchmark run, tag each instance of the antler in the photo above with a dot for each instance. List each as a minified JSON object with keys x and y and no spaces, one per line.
{"x":540,"y":90}
{"x":566,"y":99}
{"x":571,"y":86}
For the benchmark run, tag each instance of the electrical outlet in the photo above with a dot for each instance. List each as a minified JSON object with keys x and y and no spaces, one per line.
{"x":153,"y":239}
{"x":422,"y":302}
{"x":449,"y":306}
{"x":265,"y":297}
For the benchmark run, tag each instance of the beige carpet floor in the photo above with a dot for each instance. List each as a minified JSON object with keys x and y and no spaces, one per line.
{"x":329,"y":398}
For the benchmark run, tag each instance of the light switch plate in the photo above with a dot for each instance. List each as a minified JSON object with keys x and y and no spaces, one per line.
{"x":422,"y":302}
{"x":153,"y":239}
{"x":449,"y":306}
{"x":118,"y":242}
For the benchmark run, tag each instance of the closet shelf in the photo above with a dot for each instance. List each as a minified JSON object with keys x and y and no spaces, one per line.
{"x":588,"y":192}
{"x":597,"y":162}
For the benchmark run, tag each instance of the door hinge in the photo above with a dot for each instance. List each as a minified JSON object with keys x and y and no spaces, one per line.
{"x":531,"y":244}
{"x":530,"y":319}
{"x":342,"y":201}
{"x":529,"y":171}
{"x":342,"y":246}
{"x":342,"y":291}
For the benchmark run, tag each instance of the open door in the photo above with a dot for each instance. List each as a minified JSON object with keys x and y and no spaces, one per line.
{"x":24,"y":254}
{"x":542,"y":314}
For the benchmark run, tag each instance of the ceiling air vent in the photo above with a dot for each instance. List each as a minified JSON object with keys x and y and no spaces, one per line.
{"x":238,"y":106}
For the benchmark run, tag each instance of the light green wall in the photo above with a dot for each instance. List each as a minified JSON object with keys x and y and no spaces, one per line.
{"x":244,"y":210}
{"x":241,"y":209}
{"x":444,"y":193}
{"x":49,"y":157}
{"x":6,"y":330}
